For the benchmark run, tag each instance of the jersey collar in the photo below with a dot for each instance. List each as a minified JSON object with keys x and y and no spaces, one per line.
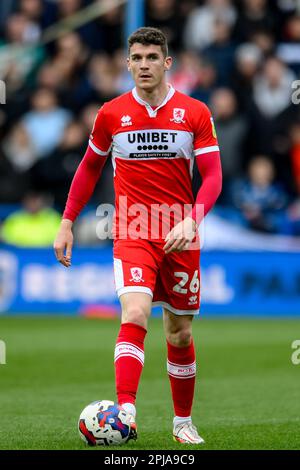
{"x":153,"y":112}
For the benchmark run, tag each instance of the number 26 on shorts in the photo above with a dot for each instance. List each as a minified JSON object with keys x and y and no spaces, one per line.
{"x":193,"y":286}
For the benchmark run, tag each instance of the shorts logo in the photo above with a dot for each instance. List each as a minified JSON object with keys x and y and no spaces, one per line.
{"x":137,"y":274}
{"x":126,"y":121}
{"x":178,"y":115}
{"x":193,"y":300}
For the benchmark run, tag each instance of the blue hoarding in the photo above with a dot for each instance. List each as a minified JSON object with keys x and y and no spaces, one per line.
{"x":232,"y":283}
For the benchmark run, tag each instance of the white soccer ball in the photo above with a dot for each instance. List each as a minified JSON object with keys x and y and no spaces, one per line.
{"x":104,"y":423}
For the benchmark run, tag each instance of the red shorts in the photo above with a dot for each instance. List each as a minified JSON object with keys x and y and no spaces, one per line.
{"x":172,"y":280}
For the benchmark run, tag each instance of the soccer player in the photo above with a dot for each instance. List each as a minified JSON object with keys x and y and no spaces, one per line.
{"x":153,"y":134}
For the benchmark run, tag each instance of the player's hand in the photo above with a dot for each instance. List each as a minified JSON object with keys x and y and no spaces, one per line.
{"x":181,"y":236}
{"x":63,"y":243}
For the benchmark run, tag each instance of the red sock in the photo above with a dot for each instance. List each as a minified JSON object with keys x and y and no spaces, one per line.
{"x":129,"y":361}
{"x":182,"y":371}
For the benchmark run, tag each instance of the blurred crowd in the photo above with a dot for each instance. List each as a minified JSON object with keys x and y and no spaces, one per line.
{"x":241,"y":57}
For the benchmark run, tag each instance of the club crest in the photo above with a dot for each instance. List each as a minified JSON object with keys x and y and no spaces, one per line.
{"x":178,"y":115}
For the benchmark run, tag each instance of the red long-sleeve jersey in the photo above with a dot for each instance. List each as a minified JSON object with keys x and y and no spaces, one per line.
{"x":153,"y":153}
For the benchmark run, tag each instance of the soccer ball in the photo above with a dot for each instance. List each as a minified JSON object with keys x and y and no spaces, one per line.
{"x":104,"y":423}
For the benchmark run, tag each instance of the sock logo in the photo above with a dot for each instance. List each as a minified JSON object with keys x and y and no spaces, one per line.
{"x":181,"y":371}
{"x":129,"y":350}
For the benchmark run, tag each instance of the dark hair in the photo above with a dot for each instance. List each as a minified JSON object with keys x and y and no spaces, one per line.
{"x":148,"y":36}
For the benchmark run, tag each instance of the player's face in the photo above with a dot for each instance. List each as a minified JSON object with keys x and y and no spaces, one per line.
{"x":147,"y":65}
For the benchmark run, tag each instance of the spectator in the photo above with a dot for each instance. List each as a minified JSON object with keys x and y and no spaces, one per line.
{"x":292,"y":29}
{"x":265,"y":41}
{"x":63,"y":10}
{"x":45,"y":122}
{"x":109,"y":32}
{"x":35,"y":225}
{"x":33,"y":10}
{"x":6,"y":9}
{"x":248,"y":58}
{"x":101,"y":77}
{"x":187,"y":72}
{"x":55,"y":172}
{"x":70,"y":63}
{"x":199,"y":29}
{"x":255,"y":15}
{"x":68,"y":8}
{"x":71,"y":48}
{"x":272,"y":88}
{"x":270,"y":109}
{"x":221,"y":52}
{"x":231,"y":129}
{"x":164,"y":14}
{"x":51,"y":76}
{"x":287,"y":7}
{"x":123,"y":79}
{"x":87,"y":116}
{"x":289,"y":49}
{"x":260,"y":200}
{"x":207,"y":82}
{"x":19,"y":57}
{"x":13,"y":183}
{"x":19,"y":149}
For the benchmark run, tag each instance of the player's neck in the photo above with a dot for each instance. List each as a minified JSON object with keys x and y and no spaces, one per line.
{"x":156,"y":96}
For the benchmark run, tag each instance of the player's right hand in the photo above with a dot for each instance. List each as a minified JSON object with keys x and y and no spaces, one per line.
{"x":63,"y":243}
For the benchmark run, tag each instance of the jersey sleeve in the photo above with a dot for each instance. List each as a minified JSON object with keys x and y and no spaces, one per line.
{"x":205,"y":137}
{"x":207,"y":156}
{"x":100,"y":137}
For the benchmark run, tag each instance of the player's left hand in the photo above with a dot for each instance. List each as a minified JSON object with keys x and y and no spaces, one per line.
{"x":181,"y":236}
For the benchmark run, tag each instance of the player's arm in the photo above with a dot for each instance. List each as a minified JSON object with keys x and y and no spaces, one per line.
{"x":207,"y":156}
{"x":82,"y":188}
{"x":209,"y":166}
{"x":184,"y":232}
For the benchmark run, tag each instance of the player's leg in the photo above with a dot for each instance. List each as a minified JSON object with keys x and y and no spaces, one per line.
{"x":136,"y":268}
{"x":177,"y":291}
{"x":181,"y":366}
{"x":136,"y":308}
{"x":129,"y":351}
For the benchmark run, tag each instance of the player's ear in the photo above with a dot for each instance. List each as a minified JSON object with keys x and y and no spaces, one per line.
{"x":128,"y":64}
{"x":168,"y":63}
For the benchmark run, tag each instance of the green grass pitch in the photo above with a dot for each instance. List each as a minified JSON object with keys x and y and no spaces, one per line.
{"x":247,"y":394}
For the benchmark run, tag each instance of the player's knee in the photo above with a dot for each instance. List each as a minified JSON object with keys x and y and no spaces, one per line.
{"x":180,"y":338}
{"x":135,"y":314}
